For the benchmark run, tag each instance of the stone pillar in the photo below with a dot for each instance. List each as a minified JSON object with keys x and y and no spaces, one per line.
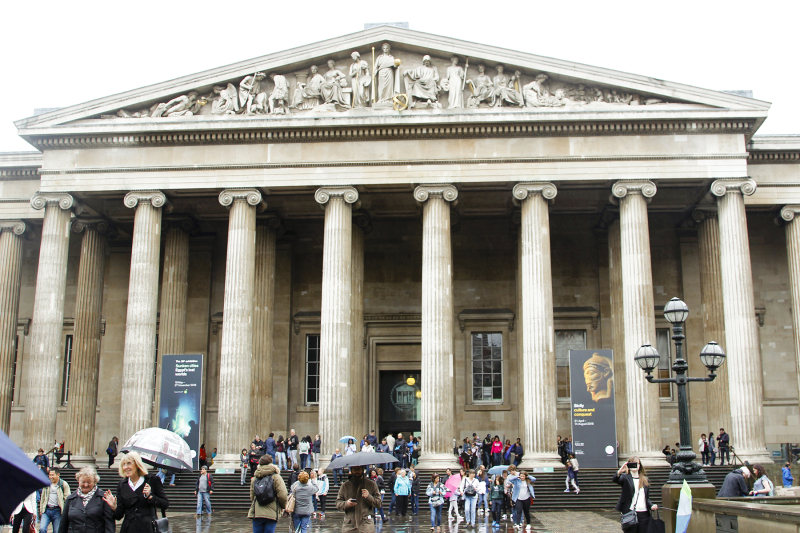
{"x":717,"y":398}
{"x":638,"y":312}
{"x":358,"y":374}
{"x":10,"y":265}
{"x":745,"y":380}
{"x":236,"y":346}
{"x":539,"y":391}
{"x":82,"y":404}
{"x":618,"y":339}
{"x":139,"y":359}
{"x":45,"y":363}
{"x":335,"y":400}
{"x":263,"y":320}
{"x":437,"y":376}
{"x":789,"y":214}
{"x":174,"y":296}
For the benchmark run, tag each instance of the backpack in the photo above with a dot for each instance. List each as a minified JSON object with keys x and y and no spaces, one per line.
{"x":469,"y":489}
{"x":264,"y":490}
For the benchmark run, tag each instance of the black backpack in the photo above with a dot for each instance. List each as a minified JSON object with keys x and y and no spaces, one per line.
{"x":264,"y":490}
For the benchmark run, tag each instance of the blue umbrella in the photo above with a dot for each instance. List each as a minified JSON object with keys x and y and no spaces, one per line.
{"x":20,"y":477}
{"x":497,"y":470}
{"x":346,"y":439}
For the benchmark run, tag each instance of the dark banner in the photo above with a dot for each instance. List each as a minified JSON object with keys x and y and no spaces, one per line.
{"x":181,"y":391}
{"x":594,"y":427}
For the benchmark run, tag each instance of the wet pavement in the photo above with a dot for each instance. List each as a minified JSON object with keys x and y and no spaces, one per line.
{"x":541,"y":522}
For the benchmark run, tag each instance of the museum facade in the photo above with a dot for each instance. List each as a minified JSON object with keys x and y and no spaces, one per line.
{"x":412,"y":240}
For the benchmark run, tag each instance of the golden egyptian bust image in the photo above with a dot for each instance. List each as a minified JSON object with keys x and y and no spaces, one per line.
{"x":599,"y":376}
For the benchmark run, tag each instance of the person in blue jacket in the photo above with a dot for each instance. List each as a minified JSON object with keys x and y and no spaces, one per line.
{"x":522,"y":496}
{"x":787,"y":475}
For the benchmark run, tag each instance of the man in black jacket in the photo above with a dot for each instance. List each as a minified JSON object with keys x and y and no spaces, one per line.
{"x":400,"y":450}
{"x":724,"y":443}
{"x":735,"y":485}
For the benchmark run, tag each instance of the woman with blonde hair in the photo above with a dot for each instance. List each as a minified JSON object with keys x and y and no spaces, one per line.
{"x":86,"y":508}
{"x":635,"y":494}
{"x":138,"y":497}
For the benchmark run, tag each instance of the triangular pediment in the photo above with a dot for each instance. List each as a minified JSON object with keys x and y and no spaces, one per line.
{"x":530,"y":84}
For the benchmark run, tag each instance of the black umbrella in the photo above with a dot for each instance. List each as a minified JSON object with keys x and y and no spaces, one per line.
{"x":20,"y":477}
{"x":362,"y":459}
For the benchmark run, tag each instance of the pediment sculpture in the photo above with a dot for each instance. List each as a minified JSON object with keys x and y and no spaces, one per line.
{"x":363,"y":86}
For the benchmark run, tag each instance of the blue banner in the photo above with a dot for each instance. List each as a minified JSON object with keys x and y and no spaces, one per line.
{"x":594,"y":426}
{"x":181,"y":393}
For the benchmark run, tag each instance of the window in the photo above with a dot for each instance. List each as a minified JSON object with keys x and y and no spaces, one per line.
{"x":665,"y":362}
{"x":67,"y":369}
{"x":312,"y":369}
{"x":14,"y":375}
{"x":566,"y":340}
{"x":487,"y":367}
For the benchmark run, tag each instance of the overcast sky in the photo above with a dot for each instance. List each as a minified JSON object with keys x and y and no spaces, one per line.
{"x":57,"y":54}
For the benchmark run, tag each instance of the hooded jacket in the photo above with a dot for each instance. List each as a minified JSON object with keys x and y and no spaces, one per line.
{"x":271,"y":511}
{"x":357,"y":519}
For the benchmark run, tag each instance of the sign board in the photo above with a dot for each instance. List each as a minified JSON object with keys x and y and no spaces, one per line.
{"x":181,"y":393}
{"x":594,"y":428}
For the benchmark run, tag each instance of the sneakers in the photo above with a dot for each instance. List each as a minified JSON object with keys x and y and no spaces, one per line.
{"x":504,"y":517}
{"x":566,"y":490}
{"x":528,"y":527}
{"x":577,"y":491}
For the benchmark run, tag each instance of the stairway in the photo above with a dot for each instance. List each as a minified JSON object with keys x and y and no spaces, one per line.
{"x":597,"y":490}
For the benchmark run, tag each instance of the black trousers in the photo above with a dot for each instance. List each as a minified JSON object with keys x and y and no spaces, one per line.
{"x":110,"y":459}
{"x":321,"y":505}
{"x":23,"y":519}
{"x":402,"y":505}
{"x":524,"y":506}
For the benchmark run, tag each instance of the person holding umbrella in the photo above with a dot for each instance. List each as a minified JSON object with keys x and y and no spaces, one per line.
{"x":84,"y":509}
{"x":138,"y":496}
{"x":358,"y":496}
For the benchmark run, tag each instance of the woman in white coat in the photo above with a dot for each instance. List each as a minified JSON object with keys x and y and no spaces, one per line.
{"x":704,"y":447}
{"x":24,"y":513}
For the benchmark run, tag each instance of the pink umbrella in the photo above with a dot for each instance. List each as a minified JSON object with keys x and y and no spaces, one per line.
{"x":452,"y":484}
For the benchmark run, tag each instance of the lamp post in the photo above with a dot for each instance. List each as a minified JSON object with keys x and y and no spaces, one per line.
{"x":712,"y":356}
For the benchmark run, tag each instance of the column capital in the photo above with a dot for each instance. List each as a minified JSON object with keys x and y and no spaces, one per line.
{"x":623,"y":188}
{"x":704,"y":213}
{"x":445,"y":190}
{"x":251,"y":196}
{"x":154,"y":198}
{"x":79,"y":225}
{"x":788,"y":212}
{"x":324,"y":194}
{"x":18,"y":227}
{"x":745,"y":186}
{"x":524,"y":189}
{"x":64,"y":200}
{"x":186,"y":223}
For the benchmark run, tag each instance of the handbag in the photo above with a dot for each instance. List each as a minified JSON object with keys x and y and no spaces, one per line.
{"x":656,"y":525}
{"x":629,"y":519}
{"x":160,"y":525}
{"x":290,"y":504}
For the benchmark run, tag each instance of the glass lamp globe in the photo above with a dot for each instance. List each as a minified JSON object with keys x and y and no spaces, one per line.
{"x":713,"y":356}
{"x":410,"y":382}
{"x":676,"y":311}
{"x":647,"y":358}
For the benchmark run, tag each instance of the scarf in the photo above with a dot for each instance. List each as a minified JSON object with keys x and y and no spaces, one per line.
{"x":86,"y":497}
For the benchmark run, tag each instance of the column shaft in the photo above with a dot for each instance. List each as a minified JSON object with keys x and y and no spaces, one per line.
{"x":718,"y":402}
{"x":793,"y":253}
{"x":263,"y":319}
{"x":358,"y":375}
{"x":741,"y":333}
{"x":10,"y":267}
{"x":45,"y":362}
{"x":618,"y":340}
{"x":236,"y":345}
{"x":139,"y":359}
{"x":82,"y":403}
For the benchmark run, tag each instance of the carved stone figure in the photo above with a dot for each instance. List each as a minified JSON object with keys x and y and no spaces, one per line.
{"x":384,"y":74}
{"x":309,"y":95}
{"x":251,"y":98}
{"x":279,"y":97}
{"x":227,"y":101}
{"x":598,"y":374}
{"x":360,"y":81}
{"x":422,"y":83}
{"x":454,"y":84}
{"x":537,"y":93}
{"x":504,"y":90}
{"x":331,"y":89}
{"x":482,"y":89}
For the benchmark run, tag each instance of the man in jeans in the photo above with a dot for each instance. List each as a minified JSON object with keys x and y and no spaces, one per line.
{"x":293,"y":443}
{"x":52,"y":502}
{"x":203,"y":489}
{"x":724,"y":443}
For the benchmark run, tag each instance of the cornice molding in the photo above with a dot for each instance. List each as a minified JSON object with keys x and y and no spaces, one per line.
{"x":324,"y":194}
{"x":773,"y":158}
{"x":383,"y":132}
{"x":21,"y":174}
{"x":65,"y":201}
{"x":444,"y":190}
{"x":721,"y":187}
{"x":251,"y":196}
{"x":522,"y":190}
{"x":623,"y":188}
{"x":17,"y":227}
{"x":154,"y":198}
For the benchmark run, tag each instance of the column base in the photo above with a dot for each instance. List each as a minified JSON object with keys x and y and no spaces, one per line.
{"x":81,"y":460}
{"x":323,"y":463}
{"x":648,"y":459}
{"x":541,"y":460}
{"x":227,"y":461}
{"x":437,"y":461}
{"x":752,"y":456}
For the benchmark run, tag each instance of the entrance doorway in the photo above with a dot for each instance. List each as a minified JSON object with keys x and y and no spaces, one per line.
{"x":400,"y":407}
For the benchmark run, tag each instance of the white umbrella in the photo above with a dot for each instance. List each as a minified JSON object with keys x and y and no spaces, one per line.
{"x":161,"y":448}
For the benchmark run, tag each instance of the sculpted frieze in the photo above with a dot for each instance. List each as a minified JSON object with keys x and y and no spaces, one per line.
{"x":373,"y":83}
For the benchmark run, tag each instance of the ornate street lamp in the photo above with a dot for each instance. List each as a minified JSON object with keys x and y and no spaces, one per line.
{"x":712,"y":356}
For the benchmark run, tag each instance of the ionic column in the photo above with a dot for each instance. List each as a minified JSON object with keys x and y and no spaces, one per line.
{"x":263,"y":316}
{"x":138,"y":362}
{"x":638,"y":312}
{"x":437,"y":376}
{"x":236,"y":346}
{"x":335,"y":401}
{"x":741,"y":334}
{"x":174,"y":297}
{"x":82,"y":404}
{"x":358,"y":374}
{"x":717,"y":397}
{"x":789,"y":214}
{"x":10,"y":265}
{"x":538,"y":338}
{"x":45,"y":365}
{"x":618,"y":342}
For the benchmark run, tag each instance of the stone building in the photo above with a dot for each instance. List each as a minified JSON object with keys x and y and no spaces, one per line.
{"x":412,"y":249}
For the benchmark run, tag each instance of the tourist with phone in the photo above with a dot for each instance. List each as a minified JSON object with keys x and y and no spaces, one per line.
{"x":634,"y":501}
